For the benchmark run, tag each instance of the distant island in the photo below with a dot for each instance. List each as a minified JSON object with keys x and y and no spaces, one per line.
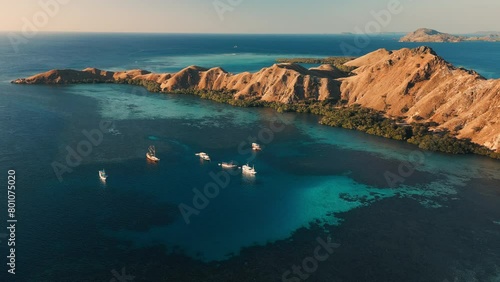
{"x":411,"y":95}
{"x":431,"y":35}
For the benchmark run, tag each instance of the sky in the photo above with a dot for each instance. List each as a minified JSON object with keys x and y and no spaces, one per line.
{"x":250,"y":16}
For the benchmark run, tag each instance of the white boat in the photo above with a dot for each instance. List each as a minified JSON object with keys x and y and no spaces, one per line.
{"x":230,"y":165}
{"x":203,"y":156}
{"x":151,"y":154}
{"x":246,"y":169}
{"x":256,"y":147}
{"x":103,"y":175}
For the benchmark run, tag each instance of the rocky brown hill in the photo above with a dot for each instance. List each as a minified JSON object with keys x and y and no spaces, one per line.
{"x":430,"y":35}
{"x":414,"y":84}
{"x":285,"y":83}
{"x":420,"y":86}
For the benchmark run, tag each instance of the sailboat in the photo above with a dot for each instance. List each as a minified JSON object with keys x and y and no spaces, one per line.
{"x":151,"y":154}
{"x":103,"y":175}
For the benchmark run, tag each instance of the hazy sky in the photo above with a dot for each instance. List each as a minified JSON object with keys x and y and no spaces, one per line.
{"x":248,"y":16}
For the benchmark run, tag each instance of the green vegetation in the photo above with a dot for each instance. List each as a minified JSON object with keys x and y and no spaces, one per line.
{"x":374,"y":123}
{"x":366,"y":120}
{"x":151,"y":86}
{"x":355,"y":117}
{"x":337,"y":62}
{"x":223,"y":96}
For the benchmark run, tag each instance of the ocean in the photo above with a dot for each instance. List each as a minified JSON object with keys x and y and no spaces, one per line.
{"x":394,"y":212}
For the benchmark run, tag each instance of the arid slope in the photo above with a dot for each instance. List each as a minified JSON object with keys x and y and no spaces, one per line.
{"x":285,"y":83}
{"x":420,"y":86}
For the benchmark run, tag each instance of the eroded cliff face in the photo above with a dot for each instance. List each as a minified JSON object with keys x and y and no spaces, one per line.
{"x":285,"y":83}
{"x":415,"y":84}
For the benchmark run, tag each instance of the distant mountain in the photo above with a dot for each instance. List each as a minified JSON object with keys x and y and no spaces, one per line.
{"x":431,"y":35}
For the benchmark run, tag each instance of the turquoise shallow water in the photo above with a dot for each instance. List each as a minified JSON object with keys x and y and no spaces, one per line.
{"x":231,"y":61}
{"x":279,"y":200}
{"x":308,"y":175}
{"x":126,"y":103}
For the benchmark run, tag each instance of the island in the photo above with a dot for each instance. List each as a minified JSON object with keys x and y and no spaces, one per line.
{"x":412,"y":95}
{"x":431,"y":35}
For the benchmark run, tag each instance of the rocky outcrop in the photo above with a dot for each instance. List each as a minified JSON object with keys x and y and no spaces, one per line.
{"x":431,"y":35}
{"x":413,"y":84}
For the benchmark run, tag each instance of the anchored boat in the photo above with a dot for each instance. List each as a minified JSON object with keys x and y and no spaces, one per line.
{"x":203,"y":156}
{"x":151,"y":154}
{"x":230,"y":165}
{"x":246,"y":169}
{"x":256,"y":147}
{"x":102,"y":175}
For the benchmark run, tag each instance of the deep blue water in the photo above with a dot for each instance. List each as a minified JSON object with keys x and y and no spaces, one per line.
{"x":176,"y":51}
{"x":312,"y":179}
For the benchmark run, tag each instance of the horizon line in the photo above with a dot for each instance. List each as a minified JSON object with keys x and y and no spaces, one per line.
{"x":201,"y":33}
{"x":230,"y":33}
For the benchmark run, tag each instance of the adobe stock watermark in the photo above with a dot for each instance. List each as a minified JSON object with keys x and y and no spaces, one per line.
{"x":31,"y":26}
{"x":310,"y":264}
{"x":121,"y":277}
{"x":223,"y":6}
{"x":265,"y":136}
{"x":83,"y":149}
{"x":201,"y":199}
{"x":220,"y":180}
{"x":405,"y":169}
{"x":380,"y":20}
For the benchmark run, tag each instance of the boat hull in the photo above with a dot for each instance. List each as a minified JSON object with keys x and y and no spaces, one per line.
{"x":248,"y":170}
{"x":102,"y":176}
{"x":228,"y":166}
{"x":203,"y":156}
{"x":152,"y":158}
{"x":256,"y":147}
